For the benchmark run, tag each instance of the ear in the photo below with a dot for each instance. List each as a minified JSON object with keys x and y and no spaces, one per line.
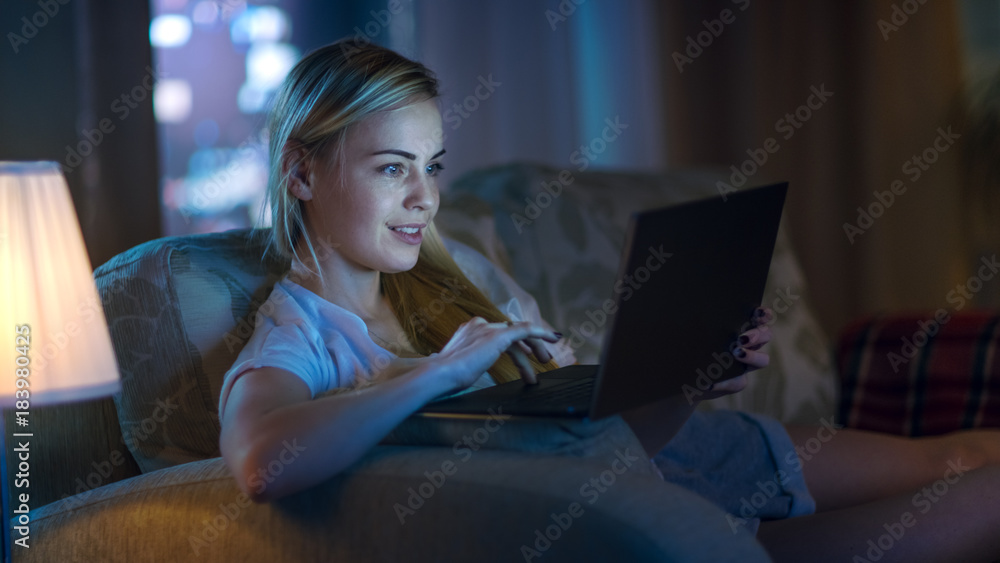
{"x":296,"y":164}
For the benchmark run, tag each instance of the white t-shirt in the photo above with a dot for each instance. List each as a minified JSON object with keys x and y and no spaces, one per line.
{"x":329,"y":346}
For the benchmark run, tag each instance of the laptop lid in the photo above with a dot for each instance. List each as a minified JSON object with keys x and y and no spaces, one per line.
{"x":691,"y":278}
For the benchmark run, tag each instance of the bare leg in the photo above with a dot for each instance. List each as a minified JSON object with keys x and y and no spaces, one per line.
{"x":844,"y":467}
{"x":956,"y":521}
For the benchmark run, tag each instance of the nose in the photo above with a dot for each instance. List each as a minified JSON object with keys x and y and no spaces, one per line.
{"x":423,"y":194}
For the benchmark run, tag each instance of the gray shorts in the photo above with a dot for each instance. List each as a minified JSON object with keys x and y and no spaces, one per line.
{"x":744,"y":463}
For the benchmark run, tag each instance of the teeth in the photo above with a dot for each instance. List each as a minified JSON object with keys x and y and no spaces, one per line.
{"x":407,"y":230}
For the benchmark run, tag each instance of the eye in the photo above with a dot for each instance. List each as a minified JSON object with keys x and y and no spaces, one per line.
{"x":393,"y":170}
{"x":434,"y":169}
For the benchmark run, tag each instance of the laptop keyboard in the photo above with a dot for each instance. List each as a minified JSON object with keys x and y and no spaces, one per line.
{"x":565,"y":394}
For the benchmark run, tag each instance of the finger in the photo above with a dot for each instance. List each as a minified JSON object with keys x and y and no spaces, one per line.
{"x":762,"y":316}
{"x":524,"y":330}
{"x":733,"y":385}
{"x":752,"y":358}
{"x":537,"y":347}
{"x":523,"y":365}
{"x":755,"y":337}
{"x":524,"y":347}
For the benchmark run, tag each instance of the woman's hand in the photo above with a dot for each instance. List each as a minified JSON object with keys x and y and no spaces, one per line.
{"x":478,"y":344}
{"x":747,"y":350}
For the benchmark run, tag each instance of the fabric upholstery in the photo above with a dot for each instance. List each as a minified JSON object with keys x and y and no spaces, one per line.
{"x":487,"y":510}
{"x":560,"y":235}
{"x":914,"y":376}
{"x":179,"y":310}
{"x":77,"y":449}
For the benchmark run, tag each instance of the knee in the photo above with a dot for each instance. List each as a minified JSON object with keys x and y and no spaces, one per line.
{"x":958,"y":449}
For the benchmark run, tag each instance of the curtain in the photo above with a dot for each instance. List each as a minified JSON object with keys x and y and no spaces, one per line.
{"x":77,"y":89}
{"x":852,"y":102}
{"x":543,"y":81}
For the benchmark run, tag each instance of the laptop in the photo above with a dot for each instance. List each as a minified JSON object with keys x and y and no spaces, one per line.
{"x":690,"y":278}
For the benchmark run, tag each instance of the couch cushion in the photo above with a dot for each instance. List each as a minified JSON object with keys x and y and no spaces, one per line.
{"x":179,"y":310}
{"x":914,"y":376}
{"x":559,"y":233}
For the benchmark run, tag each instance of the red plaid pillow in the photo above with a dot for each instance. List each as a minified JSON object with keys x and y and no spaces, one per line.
{"x":920,"y":375}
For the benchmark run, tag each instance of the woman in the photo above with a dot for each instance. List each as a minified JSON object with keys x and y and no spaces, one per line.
{"x":355,"y":150}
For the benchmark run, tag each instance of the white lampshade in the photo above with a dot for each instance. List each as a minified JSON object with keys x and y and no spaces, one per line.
{"x":47,"y":284}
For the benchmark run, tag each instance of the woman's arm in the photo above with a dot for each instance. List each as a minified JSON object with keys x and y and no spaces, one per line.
{"x":278,"y":441}
{"x":270,"y":420}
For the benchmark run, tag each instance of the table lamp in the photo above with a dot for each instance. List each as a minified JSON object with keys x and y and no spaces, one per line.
{"x":54,"y":341}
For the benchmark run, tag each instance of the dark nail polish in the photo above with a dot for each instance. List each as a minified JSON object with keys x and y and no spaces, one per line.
{"x":744,"y":340}
{"x":759,"y":313}
{"x":740,"y":353}
{"x":558,"y":334}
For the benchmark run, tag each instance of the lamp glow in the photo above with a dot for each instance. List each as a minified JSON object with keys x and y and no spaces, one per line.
{"x":47,"y":285}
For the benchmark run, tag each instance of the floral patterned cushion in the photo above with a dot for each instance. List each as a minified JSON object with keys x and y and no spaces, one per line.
{"x":179,"y":310}
{"x":560,"y":233}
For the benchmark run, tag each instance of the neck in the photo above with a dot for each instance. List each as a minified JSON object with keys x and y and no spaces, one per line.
{"x":342,"y":283}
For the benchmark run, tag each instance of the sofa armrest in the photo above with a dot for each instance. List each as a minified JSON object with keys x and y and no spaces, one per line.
{"x":921,"y":374}
{"x":397,"y":504}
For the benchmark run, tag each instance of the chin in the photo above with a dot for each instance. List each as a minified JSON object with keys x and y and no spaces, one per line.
{"x":399,"y":266}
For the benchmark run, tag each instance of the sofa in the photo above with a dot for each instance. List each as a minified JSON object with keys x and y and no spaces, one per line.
{"x":138,"y":477}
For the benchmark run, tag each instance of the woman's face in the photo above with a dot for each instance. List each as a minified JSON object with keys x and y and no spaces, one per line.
{"x":376,"y":218}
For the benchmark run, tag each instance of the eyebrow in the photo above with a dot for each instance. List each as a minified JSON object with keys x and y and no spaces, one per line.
{"x":404,"y":154}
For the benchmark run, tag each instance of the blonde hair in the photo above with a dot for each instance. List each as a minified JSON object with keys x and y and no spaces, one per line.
{"x":329,"y":90}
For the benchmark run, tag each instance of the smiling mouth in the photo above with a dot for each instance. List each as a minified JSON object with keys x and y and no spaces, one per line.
{"x":411,"y":234}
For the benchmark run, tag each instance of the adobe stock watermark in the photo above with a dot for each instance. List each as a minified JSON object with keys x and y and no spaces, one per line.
{"x":462,"y":111}
{"x":923,"y":501}
{"x":626,"y":287}
{"x":899,"y":17}
{"x":88,"y":311}
{"x":721,"y":361}
{"x":913,"y":168}
{"x":534,"y":205}
{"x":596,"y":147}
{"x":928,"y":328}
{"x":591,"y":491}
{"x":237,"y":337}
{"x":752,"y":505}
{"x":787,"y":126}
{"x":566,"y":9}
{"x":47,"y":10}
{"x":696,"y":44}
{"x":229,"y":513}
{"x":131,"y":438}
{"x":420,"y":319}
{"x":204,"y":192}
{"x":122,"y":107}
{"x":463,"y":449}
{"x":363,"y":36}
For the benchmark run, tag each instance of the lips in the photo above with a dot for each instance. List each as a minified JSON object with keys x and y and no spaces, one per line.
{"x":411,"y":233}
{"x":410,"y":230}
